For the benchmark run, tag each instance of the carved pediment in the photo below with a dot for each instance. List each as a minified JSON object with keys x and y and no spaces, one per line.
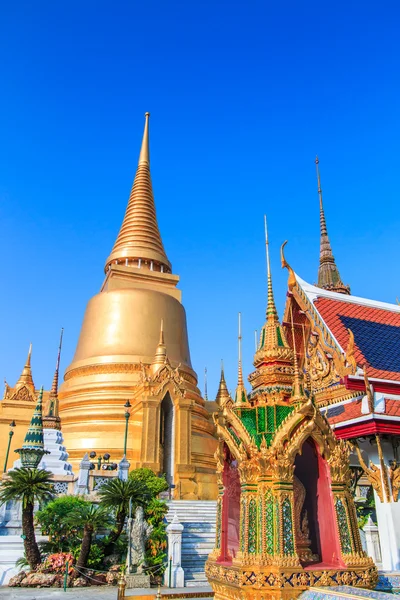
{"x":22,"y":394}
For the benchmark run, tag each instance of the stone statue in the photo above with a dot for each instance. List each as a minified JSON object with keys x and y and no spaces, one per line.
{"x":138,"y":532}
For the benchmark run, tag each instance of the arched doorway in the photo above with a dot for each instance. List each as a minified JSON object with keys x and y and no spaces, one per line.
{"x":316,"y":532}
{"x":167,"y":431}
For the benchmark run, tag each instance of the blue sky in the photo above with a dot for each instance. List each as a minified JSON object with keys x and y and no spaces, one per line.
{"x":242,"y":96}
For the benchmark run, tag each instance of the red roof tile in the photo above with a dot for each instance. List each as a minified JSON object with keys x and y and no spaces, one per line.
{"x":352,"y":410}
{"x":376,"y":332}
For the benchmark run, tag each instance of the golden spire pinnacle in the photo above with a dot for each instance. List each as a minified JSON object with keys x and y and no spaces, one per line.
{"x":205,"y":384}
{"x":240,"y":373}
{"x":139,"y":241}
{"x":52,"y":419}
{"x":241,"y":394}
{"x":26,"y":376}
{"x":222,"y":395}
{"x":161,"y":351}
{"x":271,"y":308}
{"x":328,"y":273}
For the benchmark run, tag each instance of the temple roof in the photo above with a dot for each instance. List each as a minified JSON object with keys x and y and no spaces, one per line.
{"x":375,"y":325}
{"x":139,"y":236}
{"x":352,"y":418}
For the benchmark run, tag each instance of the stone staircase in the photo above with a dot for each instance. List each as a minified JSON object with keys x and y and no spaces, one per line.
{"x":198,"y":518}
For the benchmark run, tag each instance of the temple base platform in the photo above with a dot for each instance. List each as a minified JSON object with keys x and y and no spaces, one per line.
{"x":272,"y":582}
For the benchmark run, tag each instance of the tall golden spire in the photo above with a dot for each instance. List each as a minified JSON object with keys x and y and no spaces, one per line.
{"x":139,"y":241}
{"x":272,"y":334}
{"x":328,"y":273}
{"x":25,"y":379}
{"x":52,"y":419}
{"x":241,"y":394}
{"x":271,"y":308}
{"x":274,"y":357}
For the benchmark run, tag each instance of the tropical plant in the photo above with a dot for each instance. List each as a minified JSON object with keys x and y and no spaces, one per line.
{"x":116,"y":494}
{"x":56,"y":563}
{"x":153,"y":482}
{"x":52,"y":522}
{"x":155,"y":513}
{"x":86,"y":519}
{"x":28,"y":486}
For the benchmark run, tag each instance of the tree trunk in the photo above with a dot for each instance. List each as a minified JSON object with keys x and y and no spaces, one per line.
{"x":85,"y":548}
{"x":115,"y":533}
{"x":31,"y":548}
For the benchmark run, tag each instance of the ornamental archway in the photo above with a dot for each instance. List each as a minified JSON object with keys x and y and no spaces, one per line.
{"x":316,"y":533}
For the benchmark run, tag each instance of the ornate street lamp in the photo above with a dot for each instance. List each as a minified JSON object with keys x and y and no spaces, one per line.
{"x":127,"y":406}
{"x":11,"y":433}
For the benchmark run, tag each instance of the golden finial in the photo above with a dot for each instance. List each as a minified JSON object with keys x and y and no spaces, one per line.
{"x":271,"y":308}
{"x":240,"y":373}
{"x":28,"y":360}
{"x":324,"y":230}
{"x":144,"y":156}
{"x":162,"y":332}
{"x":285,"y":264}
{"x":205,"y":384}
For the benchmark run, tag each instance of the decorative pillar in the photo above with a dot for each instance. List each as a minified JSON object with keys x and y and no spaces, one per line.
{"x":149,"y":455}
{"x":174,"y":576}
{"x":83,"y":476}
{"x":123,"y":469}
{"x":372,"y":541}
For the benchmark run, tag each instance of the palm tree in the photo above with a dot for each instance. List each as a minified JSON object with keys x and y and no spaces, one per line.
{"x":28,"y":486}
{"x":116,"y":494}
{"x":87,"y":518}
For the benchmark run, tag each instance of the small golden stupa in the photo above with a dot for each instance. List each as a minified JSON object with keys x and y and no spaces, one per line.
{"x":133,"y":346}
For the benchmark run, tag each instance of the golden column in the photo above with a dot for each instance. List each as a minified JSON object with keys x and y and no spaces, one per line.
{"x":120,"y":356}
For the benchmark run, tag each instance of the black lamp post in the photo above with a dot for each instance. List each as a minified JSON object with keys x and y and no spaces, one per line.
{"x":127,"y":406}
{"x":11,"y":433}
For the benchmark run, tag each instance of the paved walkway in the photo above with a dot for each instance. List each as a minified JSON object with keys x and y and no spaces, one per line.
{"x":98,"y":592}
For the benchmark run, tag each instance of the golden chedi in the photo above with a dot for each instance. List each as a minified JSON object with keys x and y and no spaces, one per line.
{"x":134,"y":346}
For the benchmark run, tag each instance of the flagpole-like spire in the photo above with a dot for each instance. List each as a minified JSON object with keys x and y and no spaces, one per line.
{"x":52,"y":419}
{"x":328,"y":273}
{"x":241,"y":394}
{"x":240,"y":371}
{"x":205,"y":384}
{"x":271,"y":308}
{"x":139,"y":241}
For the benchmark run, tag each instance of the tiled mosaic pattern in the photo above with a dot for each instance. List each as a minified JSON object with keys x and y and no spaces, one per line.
{"x":345,"y":592}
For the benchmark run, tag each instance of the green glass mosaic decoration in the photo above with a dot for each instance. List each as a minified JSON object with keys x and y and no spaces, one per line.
{"x":243,"y":525}
{"x":269,"y":522}
{"x":219,"y":523}
{"x":252,"y":548}
{"x":287,"y":525}
{"x":344,"y":533}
